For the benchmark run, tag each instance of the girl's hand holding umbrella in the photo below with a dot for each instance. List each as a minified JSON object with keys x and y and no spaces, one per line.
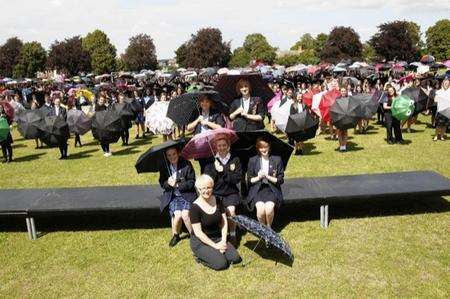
{"x":218,"y":167}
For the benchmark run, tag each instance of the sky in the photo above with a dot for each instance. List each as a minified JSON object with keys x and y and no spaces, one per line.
{"x":172,"y":22}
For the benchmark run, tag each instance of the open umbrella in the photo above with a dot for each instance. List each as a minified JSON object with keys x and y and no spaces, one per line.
{"x":344,"y":113}
{"x":78,"y":121}
{"x":126,"y":113}
{"x":419,"y":97}
{"x":87,"y":94}
{"x":427,"y":59}
{"x":156,"y":119}
{"x":200,"y":145}
{"x":4,"y":128}
{"x":280,"y":114}
{"x":326,"y":102}
{"x":443,"y":102}
{"x":263,"y":232}
{"x":402,"y":107}
{"x":368,"y":104}
{"x":302,"y":126}
{"x":9,"y":110}
{"x":245,"y":146}
{"x":307,"y":97}
{"x":54,"y":130}
{"x":107,"y":126}
{"x":226,"y":86}
{"x":154,"y":159}
{"x":28,"y":122}
{"x":185,"y":108}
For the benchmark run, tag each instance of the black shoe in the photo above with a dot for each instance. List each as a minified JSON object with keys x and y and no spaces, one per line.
{"x":175,"y":239}
{"x":390,"y":142}
{"x":401,"y":141}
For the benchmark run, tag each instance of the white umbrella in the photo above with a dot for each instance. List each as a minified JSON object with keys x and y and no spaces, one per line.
{"x":280,"y":114}
{"x":156,"y":119}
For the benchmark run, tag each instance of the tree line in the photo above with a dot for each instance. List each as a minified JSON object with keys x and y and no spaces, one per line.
{"x":399,"y":40}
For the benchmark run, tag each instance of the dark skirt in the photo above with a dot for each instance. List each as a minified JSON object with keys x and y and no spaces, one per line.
{"x":441,"y":120}
{"x":178,"y":203}
{"x":140,"y":119}
{"x":229,"y":200}
{"x":265,"y":194}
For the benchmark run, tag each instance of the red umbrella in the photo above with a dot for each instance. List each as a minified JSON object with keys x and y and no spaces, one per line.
{"x":200,"y":145}
{"x":327,"y":101}
{"x":307,"y":97}
{"x":9,"y":110}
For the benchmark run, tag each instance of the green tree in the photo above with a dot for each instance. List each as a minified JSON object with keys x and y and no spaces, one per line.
{"x":438,"y":39}
{"x":305,"y":57}
{"x":306,"y":42}
{"x":342,"y":43}
{"x":9,"y":56}
{"x":140,"y":53}
{"x":319,"y":43}
{"x":32,"y":59}
{"x":181,"y":54}
{"x":102,"y":52}
{"x":69,"y":56}
{"x":240,"y":58}
{"x":368,"y":53}
{"x":258,"y":48}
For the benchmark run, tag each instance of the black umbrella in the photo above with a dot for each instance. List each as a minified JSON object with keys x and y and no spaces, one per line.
{"x":107,"y":126}
{"x":344,"y":113}
{"x":54,"y":130}
{"x":245,"y":146}
{"x":227,"y":87}
{"x":78,"y":122}
{"x":125,"y":110}
{"x":134,"y":105}
{"x":419,"y":97}
{"x":368,"y":104}
{"x":185,"y":108}
{"x":154,"y":159}
{"x":263,"y":232}
{"x":302,"y":126}
{"x":28,"y":122}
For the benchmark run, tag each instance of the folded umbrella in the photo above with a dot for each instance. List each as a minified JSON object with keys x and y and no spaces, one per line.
{"x":4,"y":128}
{"x":154,"y":159}
{"x":226,"y":86}
{"x":419,"y":97}
{"x":344,"y":113}
{"x":54,"y":130}
{"x":402,"y":107}
{"x":185,"y":108}
{"x":78,"y":122}
{"x":200,"y":146}
{"x":326,"y":102}
{"x":107,"y":126}
{"x":28,"y":123}
{"x":263,"y":232}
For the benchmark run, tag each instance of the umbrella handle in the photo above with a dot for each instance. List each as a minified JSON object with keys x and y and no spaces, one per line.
{"x":245,"y":264}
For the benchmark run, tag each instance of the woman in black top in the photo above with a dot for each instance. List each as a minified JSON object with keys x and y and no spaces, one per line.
{"x":100,"y":106}
{"x":6,"y":144}
{"x":391,"y":122}
{"x":297,"y":107}
{"x":209,"y":223}
{"x":226,"y":173}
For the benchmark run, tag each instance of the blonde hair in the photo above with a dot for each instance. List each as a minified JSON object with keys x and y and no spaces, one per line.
{"x":203,"y":180}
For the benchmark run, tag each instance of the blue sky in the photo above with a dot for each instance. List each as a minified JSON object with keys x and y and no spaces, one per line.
{"x":171,"y":22}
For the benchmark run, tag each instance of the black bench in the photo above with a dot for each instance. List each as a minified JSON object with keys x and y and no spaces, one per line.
{"x":31,"y":203}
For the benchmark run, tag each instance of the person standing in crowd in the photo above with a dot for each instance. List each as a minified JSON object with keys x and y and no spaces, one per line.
{"x":247,"y":112}
{"x":140,"y":120}
{"x":442,"y":99}
{"x":210,"y":225}
{"x":47,"y":108}
{"x":342,"y":133}
{"x":101,"y":106}
{"x":126,"y":122}
{"x":177,"y":179}
{"x":265,"y":175}
{"x":297,"y":107}
{"x":226,"y":172}
{"x":7,"y":143}
{"x":35,"y":106}
{"x":61,"y":112}
{"x":392,"y":124}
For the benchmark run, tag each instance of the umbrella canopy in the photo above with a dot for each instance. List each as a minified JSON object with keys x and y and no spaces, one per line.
{"x":156,"y":119}
{"x":28,"y":123}
{"x":280,"y":114}
{"x":54,"y":130}
{"x":263,"y":232}
{"x":301,"y":122}
{"x":87,"y":94}
{"x":344,"y":113}
{"x":402,"y":107}
{"x":227,"y":87}
{"x":4,"y":128}
{"x":307,"y":97}
{"x":368,"y":104}
{"x":154,"y":159}
{"x":9,"y":110}
{"x":107,"y":126}
{"x":272,"y":102}
{"x":200,"y":146}
{"x":447,"y":63}
{"x":443,"y":102}
{"x":427,"y":59}
{"x":419,"y":97}
{"x":245,"y":146}
{"x":326,"y":102}
{"x":126,"y":113}
{"x":78,"y":122}
{"x":185,"y":108}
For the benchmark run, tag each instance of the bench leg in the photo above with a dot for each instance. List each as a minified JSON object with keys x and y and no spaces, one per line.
{"x":33,"y":229}
{"x":28,"y":222}
{"x":324,"y":216}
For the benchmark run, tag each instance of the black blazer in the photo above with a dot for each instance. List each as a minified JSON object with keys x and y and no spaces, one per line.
{"x":275,"y":169}
{"x":46,"y":110}
{"x":62,"y":112}
{"x":185,"y":180}
{"x":225,"y":182}
{"x":256,"y":107}
{"x":214,"y":117}
{"x":293,"y":110}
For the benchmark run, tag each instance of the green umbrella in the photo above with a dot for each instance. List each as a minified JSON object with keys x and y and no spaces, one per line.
{"x":402,"y":107}
{"x":4,"y":128}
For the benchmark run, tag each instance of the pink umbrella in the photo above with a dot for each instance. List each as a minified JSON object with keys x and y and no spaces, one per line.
{"x":200,"y":145}
{"x":447,"y":63}
{"x":72,"y":91}
{"x":272,"y":102}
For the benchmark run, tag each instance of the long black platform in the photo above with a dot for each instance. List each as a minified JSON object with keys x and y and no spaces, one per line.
{"x":30,"y":203}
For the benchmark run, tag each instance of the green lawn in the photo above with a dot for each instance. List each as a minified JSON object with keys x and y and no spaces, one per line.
{"x":386,"y":249}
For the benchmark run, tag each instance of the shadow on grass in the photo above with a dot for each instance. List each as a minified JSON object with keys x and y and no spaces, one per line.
{"x":81,"y":155}
{"x":142,"y":141}
{"x":309,"y":149}
{"x":267,"y":253}
{"x":18,"y":145}
{"x":126,"y":151}
{"x":28,"y":158}
{"x":93,"y":142}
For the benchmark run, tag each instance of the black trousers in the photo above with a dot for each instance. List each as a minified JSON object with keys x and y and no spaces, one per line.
{"x":125,"y":135}
{"x":380,"y":114}
{"x":63,"y":149}
{"x":105,"y":147}
{"x":392,"y":124}
{"x":213,"y":258}
{"x":77,"y":140}
{"x":7,"y":148}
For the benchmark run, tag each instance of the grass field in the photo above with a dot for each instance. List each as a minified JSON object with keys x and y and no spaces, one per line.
{"x":387,"y":249}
